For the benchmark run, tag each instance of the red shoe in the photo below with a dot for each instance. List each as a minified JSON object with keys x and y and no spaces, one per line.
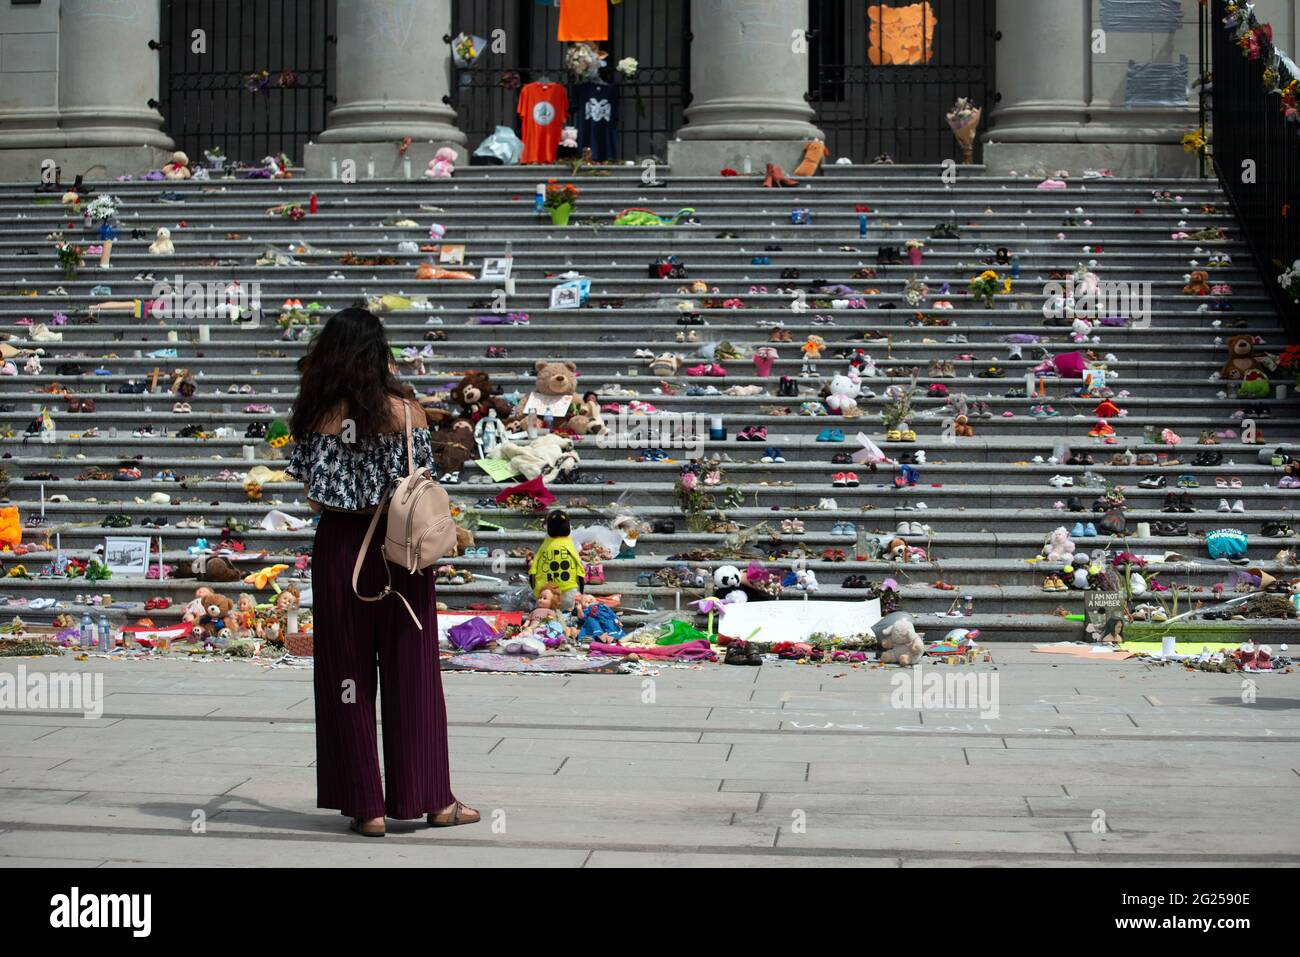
{"x":840,"y":480}
{"x":851,"y":479}
{"x":1102,"y":428}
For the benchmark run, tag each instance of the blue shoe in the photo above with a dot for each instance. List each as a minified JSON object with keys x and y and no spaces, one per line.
{"x":1090,"y":530}
{"x":1077,"y":531}
{"x":824,"y":436}
{"x":833,"y":435}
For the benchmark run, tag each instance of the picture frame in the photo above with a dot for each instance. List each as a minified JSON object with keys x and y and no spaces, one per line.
{"x":497,"y":270}
{"x":567,"y":296}
{"x":127,"y":555}
{"x":452,"y":255}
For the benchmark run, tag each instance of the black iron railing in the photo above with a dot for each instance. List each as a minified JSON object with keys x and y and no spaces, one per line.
{"x":1256,"y":155}
{"x":868,"y":105}
{"x":213,"y":93}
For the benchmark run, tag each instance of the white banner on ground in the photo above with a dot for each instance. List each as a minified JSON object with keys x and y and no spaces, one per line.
{"x":796,"y":620}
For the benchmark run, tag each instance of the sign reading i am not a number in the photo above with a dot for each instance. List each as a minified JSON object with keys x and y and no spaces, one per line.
{"x":1102,"y":605}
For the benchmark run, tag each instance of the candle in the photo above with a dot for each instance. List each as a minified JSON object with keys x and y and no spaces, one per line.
{"x":291,"y":621}
{"x":205,"y":334}
{"x":42,"y":500}
{"x":334,"y":169}
{"x":406,"y":167}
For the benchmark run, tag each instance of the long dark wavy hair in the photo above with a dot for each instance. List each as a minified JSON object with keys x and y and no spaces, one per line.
{"x":347,"y":371}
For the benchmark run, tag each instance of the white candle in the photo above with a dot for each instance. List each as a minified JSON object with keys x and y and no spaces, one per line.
{"x":291,"y":621}
{"x":42,"y":500}
{"x":406,"y":167}
{"x":205,"y":334}
{"x":334,"y":169}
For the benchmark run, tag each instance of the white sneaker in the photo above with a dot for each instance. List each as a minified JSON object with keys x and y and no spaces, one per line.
{"x":41,"y":333}
{"x":1224,"y":506}
{"x":1061,"y":481}
{"x":827,"y":505}
{"x":1239,"y":506}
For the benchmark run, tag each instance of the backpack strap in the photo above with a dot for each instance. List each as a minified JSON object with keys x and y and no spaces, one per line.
{"x":410,"y":442}
{"x":365,"y":548}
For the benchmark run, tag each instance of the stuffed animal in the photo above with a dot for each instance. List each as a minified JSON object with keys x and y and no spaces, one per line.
{"x":900,"y":644}
{"x":726,"y":584}
{"x":162,"y":245}
{"x":178,"y":167}
{"x":453,"y":445}
{"x":555,"y":395}
{"x":1059,"y":548}
{"x":1197,"y":284}
{"x":1241,"y":358}
{"x":843,"y":395}
{"x":472,"y":398}
{"x":218,"y":619}
{"x":443,"y":164}
{"x":542,"y":456}
{"x":814,"y":151}
{"x":962,"y":428}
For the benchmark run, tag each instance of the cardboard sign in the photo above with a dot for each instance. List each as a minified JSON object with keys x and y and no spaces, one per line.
{"x":793,"y":619}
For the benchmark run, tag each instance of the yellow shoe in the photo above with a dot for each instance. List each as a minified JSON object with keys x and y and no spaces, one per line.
{"x":909,"y":436}
{"x":893,"y":435}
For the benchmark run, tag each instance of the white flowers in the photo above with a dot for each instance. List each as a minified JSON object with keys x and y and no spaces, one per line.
{"x":1290,"y":280}
{"x":103,"y":209}
{"x":628,"y":67}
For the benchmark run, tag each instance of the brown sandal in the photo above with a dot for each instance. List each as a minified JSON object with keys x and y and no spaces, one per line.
{"x":366,"y":829}
{"x":454,"y":817}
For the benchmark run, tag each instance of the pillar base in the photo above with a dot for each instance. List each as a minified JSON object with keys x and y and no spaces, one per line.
{"x":709,"y":157}
{"x":325,"y":160}
{"x":1122,"y":159}
{"x":98,"y":163}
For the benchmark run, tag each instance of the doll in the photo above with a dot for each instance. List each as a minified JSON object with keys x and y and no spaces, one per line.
{"x":812,"y":351}
{"x":557,"y":563}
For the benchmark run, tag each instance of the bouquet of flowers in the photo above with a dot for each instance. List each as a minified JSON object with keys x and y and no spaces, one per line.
{"x":561,"y":194}
{"x":466,"y":49}
{"x":1290,"y":281}
{"x":1194,"y":141}
{"x":258,"y":82}
{"x":71,"y":258}
{"x":987,"y":285}
{"x":103,"y":209}
{"x":964,"y":121}
{"x":583,"y":60}
{"x":628,"y":67}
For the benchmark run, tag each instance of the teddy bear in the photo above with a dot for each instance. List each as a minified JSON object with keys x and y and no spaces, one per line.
{"x":453,"y":444}
{"x":218,"y":619}
{"x":962,"y":428}
{"x":178,"y":167}
{"x":1059,"y":548}
{"x":162,"y":245}
{"x":472,"y":399}
{"x":900,"y":644}
{"x":1198,"y":284}
{"x":842,"y":397}
{"x":1241,"y":358}
{"x":544,"y":456}
{"x":443,"y":164}
{"x":814,"y":151}
{"x":555,"y":395}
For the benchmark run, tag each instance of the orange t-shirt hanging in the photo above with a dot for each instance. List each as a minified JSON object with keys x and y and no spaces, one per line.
{"x":584,"y":20}
{"x":543,"y":110}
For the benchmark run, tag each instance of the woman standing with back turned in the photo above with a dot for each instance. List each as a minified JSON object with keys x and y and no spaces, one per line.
{"x":350,"y":421}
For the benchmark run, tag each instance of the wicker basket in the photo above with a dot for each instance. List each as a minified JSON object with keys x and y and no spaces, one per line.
{"x":298,"y":644}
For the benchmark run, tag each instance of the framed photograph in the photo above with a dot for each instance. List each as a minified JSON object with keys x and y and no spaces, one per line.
{"x":452,"y":255}
{"x":568,"y":296}
{"x":127,"y":556}
{"x":496,"y":270}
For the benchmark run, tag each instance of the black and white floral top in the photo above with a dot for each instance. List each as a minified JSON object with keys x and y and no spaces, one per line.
{"x":352,"y":475}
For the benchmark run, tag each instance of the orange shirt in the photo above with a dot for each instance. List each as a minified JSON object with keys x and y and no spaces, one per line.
{"x":584,"y":20}
{"x":543,"y":108}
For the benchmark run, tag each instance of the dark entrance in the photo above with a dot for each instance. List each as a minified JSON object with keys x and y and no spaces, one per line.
{"x":883,"y":73}
{"x":655,"y":33}
{"x":221,"y":97}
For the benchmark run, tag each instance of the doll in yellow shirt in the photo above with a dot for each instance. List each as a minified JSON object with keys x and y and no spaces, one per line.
{"x":557,"y":564}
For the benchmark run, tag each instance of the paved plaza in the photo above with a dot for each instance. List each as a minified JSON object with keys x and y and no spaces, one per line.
{"x":1085,"y":764}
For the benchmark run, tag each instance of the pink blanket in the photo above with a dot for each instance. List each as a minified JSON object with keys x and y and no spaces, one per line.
{"x":687,"y":651}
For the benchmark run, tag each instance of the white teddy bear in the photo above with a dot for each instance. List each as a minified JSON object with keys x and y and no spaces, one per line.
{"x":845,"y":390}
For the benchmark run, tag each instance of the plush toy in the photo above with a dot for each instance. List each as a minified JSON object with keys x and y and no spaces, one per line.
{"x":218,"y":619}
{"x":246,"y":623}
{"x":472,"y":398}
{"x":178,"y":167}
{"x":1254,"y":385}
{"x":1198,"y":284}
{"x":1059,"y":548}
{"x":543,"y":456}
{"x":285,"y":606}
{"x":1241,"y":358}
{"x":726,"y":584}
{"x":962,"y":428}
{"x":843,"y":394}
{"x":814,"y":151}
{"x":554,"y":395}
{"x":453,"y":445}
{"x":900,"y":644}
{"x":443,"y":164}
{"x":162,"y":245}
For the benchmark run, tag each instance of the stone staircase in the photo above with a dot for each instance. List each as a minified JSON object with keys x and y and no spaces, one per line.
{"x":988,"y":504}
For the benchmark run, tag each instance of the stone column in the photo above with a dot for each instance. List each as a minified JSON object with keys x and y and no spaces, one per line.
{"x":749,"y":75}
{"x":393,"y":71}
{"x":1042,"y":71}
{"x":106,"y":77}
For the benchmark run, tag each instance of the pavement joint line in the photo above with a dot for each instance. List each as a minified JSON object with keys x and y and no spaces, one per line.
{"x":401,"y":839}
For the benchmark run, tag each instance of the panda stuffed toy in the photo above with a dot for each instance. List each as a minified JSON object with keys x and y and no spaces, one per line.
{"x":726,"y":584}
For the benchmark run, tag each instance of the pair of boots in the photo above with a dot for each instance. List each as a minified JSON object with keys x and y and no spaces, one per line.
{"x":776,"y":178}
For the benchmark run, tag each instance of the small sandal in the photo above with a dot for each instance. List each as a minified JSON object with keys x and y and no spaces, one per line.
{"x":454,"y":816}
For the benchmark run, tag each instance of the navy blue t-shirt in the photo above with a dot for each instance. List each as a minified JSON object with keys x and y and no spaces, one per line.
{"x":596,"y":109}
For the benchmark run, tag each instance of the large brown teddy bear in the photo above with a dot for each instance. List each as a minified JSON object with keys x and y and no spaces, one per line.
{"x":453,"y":445}
{"x":555,"y":393}
{"x":218,"y":619}
{"x":1241,"y":358}
{"x":814,"y":151}
{"x":472,"y":398}
{"x":900,"y":644}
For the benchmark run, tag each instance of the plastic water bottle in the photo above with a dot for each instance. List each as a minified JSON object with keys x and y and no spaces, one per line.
{"x":105,"y":636}
{"x":539,"y":199}
{"x":862,"y":226}
{"x":87,"y":628}
{"x":1015,"y":267}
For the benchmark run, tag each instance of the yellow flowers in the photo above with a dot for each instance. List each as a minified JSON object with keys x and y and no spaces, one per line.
{"x":1194,"y":141}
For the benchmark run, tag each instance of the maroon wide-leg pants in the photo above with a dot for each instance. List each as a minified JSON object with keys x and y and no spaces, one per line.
{"x":361,"y":647}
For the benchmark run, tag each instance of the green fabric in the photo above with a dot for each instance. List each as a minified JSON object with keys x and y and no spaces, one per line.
{"x":679,"y":632}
